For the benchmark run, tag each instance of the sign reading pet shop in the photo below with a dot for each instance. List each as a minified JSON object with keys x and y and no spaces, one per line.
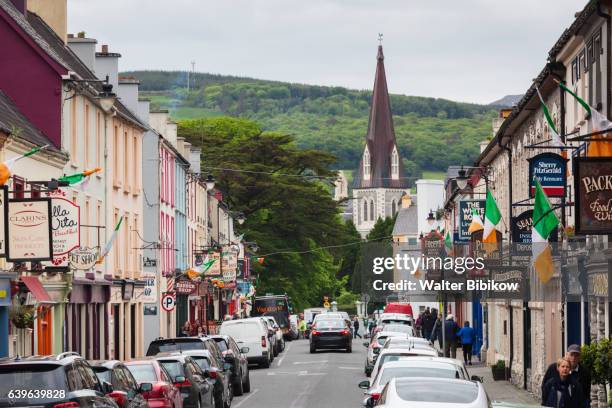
{"x":551,"y":171}
{"x":465,"y":217}
{"x":28,"y":230}
{"x":593,"y":187}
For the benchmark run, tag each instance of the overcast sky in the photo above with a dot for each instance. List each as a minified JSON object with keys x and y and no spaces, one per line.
{"x":464,"y":50}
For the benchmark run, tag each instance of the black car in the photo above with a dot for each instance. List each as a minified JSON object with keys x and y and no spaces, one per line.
{"x":187,"y":375}
{"x":126,"y":391}
{"x":162,"y":345}
{"x":51,"y":380}
{"x":331,"y":334}
{"x":236,"y":357}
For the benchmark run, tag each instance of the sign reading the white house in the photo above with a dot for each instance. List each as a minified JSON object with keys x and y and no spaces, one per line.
{"x":551,"y":170}
{"x":593,"y":186}
{"x":28,"y":230}
{"x":465,"y":216}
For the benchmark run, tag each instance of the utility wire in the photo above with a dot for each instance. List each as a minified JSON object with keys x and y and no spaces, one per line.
{"x":325,"y":247}
{"x":294,"y":175}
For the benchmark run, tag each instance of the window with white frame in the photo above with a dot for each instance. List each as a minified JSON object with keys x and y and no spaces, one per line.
{"x":394,"y":164}
{"x":366,"y":164}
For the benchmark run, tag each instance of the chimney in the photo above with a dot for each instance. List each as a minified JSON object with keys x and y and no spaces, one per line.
{"x":21,"y":5}
{"x":144,"y":105}
{"x":195,"y":159}
{"x":107,"y":63}
{"x":128,"y":92}
{"x":54,"y":12}
{"x":84,"y":48}
{"x":406,"y":200}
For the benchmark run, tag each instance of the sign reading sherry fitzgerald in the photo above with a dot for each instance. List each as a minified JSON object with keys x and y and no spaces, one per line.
{"x":593,"y":186}
{"x":465,"y":216}
{"x":551,"y":170}
{"x":28,"y":230}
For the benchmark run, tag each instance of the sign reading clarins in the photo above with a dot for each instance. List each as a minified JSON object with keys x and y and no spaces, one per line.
{"x":28,"y":230}
{"x":593,"y":186}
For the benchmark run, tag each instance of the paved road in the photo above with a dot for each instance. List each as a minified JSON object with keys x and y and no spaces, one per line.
{"x":298,"y":379}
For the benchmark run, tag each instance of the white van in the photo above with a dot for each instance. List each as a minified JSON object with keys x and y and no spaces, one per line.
{"x":251,"y":333}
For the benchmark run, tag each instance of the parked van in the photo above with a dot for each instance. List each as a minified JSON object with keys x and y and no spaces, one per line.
{"x":251,"y":333}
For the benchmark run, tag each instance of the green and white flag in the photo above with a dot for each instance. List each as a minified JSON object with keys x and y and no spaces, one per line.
{"x":492,"y":219}
{"x":544,"y":222}
{"x":109,"y":244}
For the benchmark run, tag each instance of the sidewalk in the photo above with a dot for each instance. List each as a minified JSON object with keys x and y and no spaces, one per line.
{"x":501,"y":390}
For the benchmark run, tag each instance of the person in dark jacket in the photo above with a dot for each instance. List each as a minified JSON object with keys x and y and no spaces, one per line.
{"x":467,"y":336}
{"x":450,"y":336}
{"x":428,"y":322}
{"x":579,"y":373}
{"x":436,"y":332}
{"x":562,"y":391}
{"x":356,"y":327}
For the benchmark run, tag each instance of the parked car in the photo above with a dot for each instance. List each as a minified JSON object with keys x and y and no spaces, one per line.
{"x":393,"y":354}
{"x":126,"y":392}
{"x":413,"y":367}
{"x":161,"y":345}
{"x":293,"y":327}
{"x":331,"y":334}
{"x":48,"y":381}
{"x":251,"y":333}
{"x":164,"y":394}
{"x":191,"y":381}
{"x":271,"y":336}
{"x":374,"y":346}
{"x":236,"y":356}
{"x":219,"y":376}
{"x":402,"y":341}
{"x":280,"y":341}
{"x":432,"y":392}
{"x":398,"y":328}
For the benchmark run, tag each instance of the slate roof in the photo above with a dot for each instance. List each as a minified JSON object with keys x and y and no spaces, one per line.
{"x":380,"y":138}
{"x":17,"y":125}
{"x":407,"y":221}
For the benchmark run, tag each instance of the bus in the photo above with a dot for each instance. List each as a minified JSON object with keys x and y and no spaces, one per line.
{"x":277,"y":306}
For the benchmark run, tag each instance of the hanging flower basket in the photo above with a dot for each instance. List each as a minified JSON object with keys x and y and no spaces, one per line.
{"x":22,"y":317}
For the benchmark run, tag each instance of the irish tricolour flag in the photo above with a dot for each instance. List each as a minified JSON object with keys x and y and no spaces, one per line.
{"x":544,"y":222}
{"x":476,"y":224}
{"x":492,"y":219}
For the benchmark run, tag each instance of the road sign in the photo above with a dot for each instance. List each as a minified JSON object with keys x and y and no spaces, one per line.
{"x":365,"y":298}
{"x":168,"y":302}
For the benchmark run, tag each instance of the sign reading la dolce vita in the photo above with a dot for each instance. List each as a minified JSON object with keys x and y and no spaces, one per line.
{"x":28,"y":230}
{"x":65,"y":226}
{"x":593,"y":186}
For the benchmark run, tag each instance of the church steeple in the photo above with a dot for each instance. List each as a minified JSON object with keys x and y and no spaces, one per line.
{"x":383,"y":168}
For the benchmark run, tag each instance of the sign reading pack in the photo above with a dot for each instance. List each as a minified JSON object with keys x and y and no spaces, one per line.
{"x":551,"y":171}
{"x":28,"y":230}
{"x":465,"y":216}
{"x":593,"y":187}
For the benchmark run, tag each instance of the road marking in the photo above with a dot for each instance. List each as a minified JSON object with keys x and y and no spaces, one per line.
{"x":303,"y":373}
{"x":311,"y":362}
{"x":350,"y":368}
{"x":246,"y":398}
{"x":280,"y":361}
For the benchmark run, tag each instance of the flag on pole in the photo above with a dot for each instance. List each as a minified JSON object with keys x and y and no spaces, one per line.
{"x":109,"y":244}
{"x":492,"y":219}
{"x":448,"y":243}
{"x":598,"y":122}
{"x":78,"y":178}
{"x":476,"y":224}
{"x":544,"y":222}
{"x":556,"y":139}
{"x":7,"y":166}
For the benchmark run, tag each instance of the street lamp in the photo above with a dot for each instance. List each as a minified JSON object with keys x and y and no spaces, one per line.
{"x":240,"y":217}
{"x":431,"y":219}
{"x":107,"y":97}
{"x":462,"y":179}
{"x":210,"y":182}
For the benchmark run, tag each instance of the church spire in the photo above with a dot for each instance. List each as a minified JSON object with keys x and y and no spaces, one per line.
{"x":383,"y":168}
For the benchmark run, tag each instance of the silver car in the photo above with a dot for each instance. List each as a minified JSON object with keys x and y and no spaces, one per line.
{"x":392,"y":354}
{"x":430,"y":392}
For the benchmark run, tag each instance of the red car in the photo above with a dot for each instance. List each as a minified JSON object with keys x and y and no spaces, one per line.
{"x":164,"y":393}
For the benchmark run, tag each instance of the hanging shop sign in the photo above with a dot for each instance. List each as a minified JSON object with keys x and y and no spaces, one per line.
{"x":3,"y":201}
{"x":551,"y":171}
{"x":28,"y":230}
{"x":65,"y":225}
{"x":465,"y":217}
{"x":184,"y":287}
{"x":229,"y":264}
{"x":593,"y":187}
{"x":83,"y":258}
{"x":149,"y":293}
{"x":521,"y":227}
{"x":149,"y":262}
{"x":433,"y":247}
{"x":215,"y":268}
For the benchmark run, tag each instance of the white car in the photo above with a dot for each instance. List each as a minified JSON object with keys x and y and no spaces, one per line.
{"x":438,"y":367}
{"x":402,"y":341}
{"x":278,"y":333}
{"x":432,"y":392}
{"x":251,"y":333}
{"x":374,"y":347}
{"x":394,"y":354}
{"x":398,"y":328}
{"x":399,"y":318}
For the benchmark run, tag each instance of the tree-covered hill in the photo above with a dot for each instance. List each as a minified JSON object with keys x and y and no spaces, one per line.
{"x":432,"y":133}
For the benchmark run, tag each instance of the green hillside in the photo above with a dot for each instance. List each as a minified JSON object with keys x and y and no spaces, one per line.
{"x":431,"y":133}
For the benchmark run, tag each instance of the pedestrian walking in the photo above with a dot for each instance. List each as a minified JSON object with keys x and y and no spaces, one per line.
{"x":302,"y":329}
{"x":185,"y":330}
{"x":436,"y":332}
{"x":371,"y":325}
{"x":450,"y":337}
{"x":578,"y":372}
{"x":563,"y":391}
{"x":428,"y":323}
{"x":356,"y":328}
{"x":418,"y":325}
{"x":467,"y":336}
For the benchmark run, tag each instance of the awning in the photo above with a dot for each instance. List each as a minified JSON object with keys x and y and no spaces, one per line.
{"x":37,"y":289}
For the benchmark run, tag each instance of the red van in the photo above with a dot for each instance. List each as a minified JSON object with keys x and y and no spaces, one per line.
{"x":403,"y":308}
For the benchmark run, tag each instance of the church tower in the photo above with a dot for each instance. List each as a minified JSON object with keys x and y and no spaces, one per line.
{"x":379,"y":182}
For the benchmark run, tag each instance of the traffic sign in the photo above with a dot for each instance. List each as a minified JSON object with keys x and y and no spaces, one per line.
{"x":168,"y":302}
